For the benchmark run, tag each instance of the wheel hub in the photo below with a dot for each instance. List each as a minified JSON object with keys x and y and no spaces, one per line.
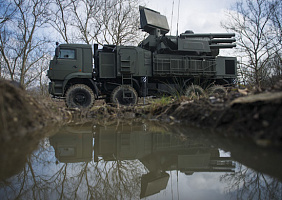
{"x":80,"y":98}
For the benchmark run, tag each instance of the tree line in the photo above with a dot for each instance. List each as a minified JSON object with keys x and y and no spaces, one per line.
{"x":257,"y":24}
{"x":29,"y":29}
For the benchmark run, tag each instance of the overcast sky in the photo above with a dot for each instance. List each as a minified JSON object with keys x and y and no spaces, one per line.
{"x":201,"y":16}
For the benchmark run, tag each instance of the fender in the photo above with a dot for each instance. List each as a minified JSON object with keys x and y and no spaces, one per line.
{"x":96,"y":90}
{"x":93,"y":85}
{"x":76,"y":75}
{"x":136,"y":82}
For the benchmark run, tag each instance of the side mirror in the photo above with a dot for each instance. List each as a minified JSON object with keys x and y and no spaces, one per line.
{"x":57,"y":50}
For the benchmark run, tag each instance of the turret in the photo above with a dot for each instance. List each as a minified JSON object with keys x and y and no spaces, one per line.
{"x":188,"y":43}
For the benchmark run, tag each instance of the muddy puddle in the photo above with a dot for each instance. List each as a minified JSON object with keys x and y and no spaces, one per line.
{"x":139,"y":159}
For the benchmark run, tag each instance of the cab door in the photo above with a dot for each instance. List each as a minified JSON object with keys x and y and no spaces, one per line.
{"x":69,"y":61}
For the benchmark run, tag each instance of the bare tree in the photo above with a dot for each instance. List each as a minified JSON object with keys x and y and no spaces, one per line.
{"x":252,"y":20}
{"x":120,"y":21}
{"x":61,"y":19}
{"x":21,"y":40}
{"x":248,"y":184}
{"x":97,"y":21}
{"x":275,"y":64}
{"x":7,"y":11}
{"x":85,"y":17}
{"x":75,"y":21}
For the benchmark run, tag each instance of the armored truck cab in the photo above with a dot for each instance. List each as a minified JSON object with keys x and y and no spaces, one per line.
{"x":160,"y":64}
{"x":72,"y":61}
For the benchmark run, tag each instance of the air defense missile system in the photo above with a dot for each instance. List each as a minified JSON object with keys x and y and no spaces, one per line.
{"x":161,"y":64}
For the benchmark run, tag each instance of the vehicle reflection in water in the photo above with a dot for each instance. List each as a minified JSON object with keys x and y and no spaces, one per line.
{"x":158,"y":152}
{"x":132,"y":160}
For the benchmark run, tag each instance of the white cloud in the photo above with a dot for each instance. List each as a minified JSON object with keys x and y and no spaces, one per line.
{"x":199,"y":185}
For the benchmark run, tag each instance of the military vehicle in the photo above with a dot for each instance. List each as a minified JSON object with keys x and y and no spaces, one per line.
{"x":160,"y":64}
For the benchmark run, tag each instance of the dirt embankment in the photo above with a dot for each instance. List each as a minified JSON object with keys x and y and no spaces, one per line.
{"x":21,"y":114}
{"x":256,"y":116}
{"x":23,"y":121}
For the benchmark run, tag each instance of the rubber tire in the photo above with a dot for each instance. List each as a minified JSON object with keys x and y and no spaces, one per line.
{"x":217,"y":89}
{"x":198,"y":90}
{"x":80,"y":96}
{"x":117,"y":95}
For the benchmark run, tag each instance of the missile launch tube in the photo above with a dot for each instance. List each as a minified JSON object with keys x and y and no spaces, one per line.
{"x":222,"y":40}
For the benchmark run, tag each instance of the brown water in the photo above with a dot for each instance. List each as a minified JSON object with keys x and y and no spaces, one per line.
{"x":133,"y":160}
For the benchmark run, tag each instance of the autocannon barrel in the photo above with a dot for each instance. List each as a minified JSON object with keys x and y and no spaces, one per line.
{"x":222,"y":46}
{"x":209,"y":35}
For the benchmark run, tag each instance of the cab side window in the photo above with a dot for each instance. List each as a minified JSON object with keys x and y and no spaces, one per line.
{"x":67,"y":54}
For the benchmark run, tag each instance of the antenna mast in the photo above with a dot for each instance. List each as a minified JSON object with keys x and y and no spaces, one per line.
{"x":171,"y":17}
{"x":177,"y":18}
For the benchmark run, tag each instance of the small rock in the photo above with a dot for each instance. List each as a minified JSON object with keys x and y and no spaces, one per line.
{"x":129,"y":115}
{"x":172,"y":118}
{"x":265,"y":123}
{"x":256,"y":116}
{"x":263,"y":142}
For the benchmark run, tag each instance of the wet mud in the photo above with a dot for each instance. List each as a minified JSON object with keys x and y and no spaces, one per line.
{"x":255,"y":116}
{"x":258,"y":116}
{"x":21,"y":114}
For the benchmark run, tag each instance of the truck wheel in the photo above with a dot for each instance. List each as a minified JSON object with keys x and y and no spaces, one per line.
{"x":217,"y":89}
{"x":124,"y":95}
{"x":80,"y":96}
{"x":195,"y":90}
